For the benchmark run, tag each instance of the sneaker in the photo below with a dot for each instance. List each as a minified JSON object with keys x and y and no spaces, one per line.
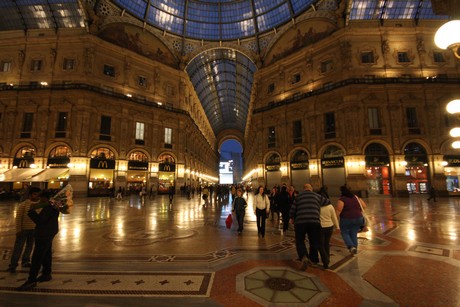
{"x":27,"y":286}
{"x":44,"y":278}
{"x":304,"y":264}
{"x":26,"y":265}
{"x":353,"y":251}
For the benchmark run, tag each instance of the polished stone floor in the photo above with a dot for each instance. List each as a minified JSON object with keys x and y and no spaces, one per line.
{"x":129,"y":253}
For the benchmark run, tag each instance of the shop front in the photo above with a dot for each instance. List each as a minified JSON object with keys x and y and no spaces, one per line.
{"x":137,"y":174}
{"x":300,"y":172}
{"x":333,"y":170}
{"x":101,"y":173}
{"x":273,"y":170}
{"x":378,"y":170}
{"x":452,"y":173}
{"x":417,"y":171}
{"x":166,"y":174}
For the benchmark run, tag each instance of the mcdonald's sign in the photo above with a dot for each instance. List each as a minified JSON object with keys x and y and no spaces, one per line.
{"x":163,"y":167}
{"x":23,"y":162}
{"x":102,"y":164}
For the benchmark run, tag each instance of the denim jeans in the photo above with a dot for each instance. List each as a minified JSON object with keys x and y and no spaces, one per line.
{"x":25,"y":237}
{"x":349,"y":229}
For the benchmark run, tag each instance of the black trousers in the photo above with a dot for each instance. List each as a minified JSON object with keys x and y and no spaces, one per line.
{"x":261,"y":215}
{"x":41,"y":257}
{"x":324,"y":244}
{"x":313,"y":231}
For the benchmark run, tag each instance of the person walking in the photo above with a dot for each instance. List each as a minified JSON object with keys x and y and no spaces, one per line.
{"x":328,"y":222}
{"x":432,"y":194}
{"x":305,"y":215}
{"x":261,"y":209}
{"x":46,"y":227}
{"x":351,"y":218}
{"x":284,"y":206}
{"x":24,"y":232}
{"x":171,"y":192}
{"x":239,"y":207}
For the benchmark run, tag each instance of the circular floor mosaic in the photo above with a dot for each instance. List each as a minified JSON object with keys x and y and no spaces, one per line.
{"x":276,"y":285}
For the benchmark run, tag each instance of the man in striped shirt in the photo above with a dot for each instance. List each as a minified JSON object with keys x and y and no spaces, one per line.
{"x":24,"y":231}
{"x":305,"y":215}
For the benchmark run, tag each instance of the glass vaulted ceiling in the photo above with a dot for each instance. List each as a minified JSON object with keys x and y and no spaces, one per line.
{"x":223,"y":79}
{"x":216,"y":19}
{"x":40,"y":14}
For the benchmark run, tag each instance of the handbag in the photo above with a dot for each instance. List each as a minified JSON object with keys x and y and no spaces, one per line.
{"x":229,"y":221}
{"x":367,"y":222}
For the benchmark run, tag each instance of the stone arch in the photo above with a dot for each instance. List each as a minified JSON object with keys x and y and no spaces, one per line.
{"x":145,"y":152}
{"x":54,"y":145}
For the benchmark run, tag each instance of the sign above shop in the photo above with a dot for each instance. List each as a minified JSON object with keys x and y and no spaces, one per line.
{"x":332,"y":162}
{"x":377,"y":160}
{"x":272,"y":167}
{"x":164,"y":167}
{"x":138,"y":166}
{"x":58,"y":162}
{"x":102,"y":163}
{"x":452,"y":160}
{"x":23,"y":162}
{"x":299,"y":165}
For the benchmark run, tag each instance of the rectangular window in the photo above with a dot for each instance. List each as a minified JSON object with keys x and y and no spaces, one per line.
{"x":140,"y":133}
{"x":27,"y":124}
{"x":297,"y":131}
{"x":374,"y":121}
{"x":438,"y":57}
{"x":329,"y":125}
{"x":295,"y":78}
{"x":61,"y":125}
{"x":326,"y":66}
{"x":142,"y":81}
{"x":69,"y":64}
{"x":412,"y":123}
{"x":168,"y":138}
{"x":36,"y":65}
{"x":403,"y":57}
{"x":271,"y":137}
{"x":106,"y":127}
{"x":5,"y":66}
{"x":109,"y":70}
{"x":271,"y":88}
{"x":367,"y":57}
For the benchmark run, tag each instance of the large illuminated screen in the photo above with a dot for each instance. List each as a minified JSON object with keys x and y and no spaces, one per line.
{"x":226,"y":172}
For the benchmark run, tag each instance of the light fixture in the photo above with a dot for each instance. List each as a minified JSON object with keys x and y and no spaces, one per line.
{"x":453,"y":107}
{"x":448,"y":37}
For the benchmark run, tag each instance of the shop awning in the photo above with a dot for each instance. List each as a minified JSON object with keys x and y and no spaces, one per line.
{"x":19,"y":174}
{"x":50,"y":174}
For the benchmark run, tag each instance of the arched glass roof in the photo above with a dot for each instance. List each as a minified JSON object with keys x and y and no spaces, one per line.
{"x":215,"y":19}
{"x":223,"y":79}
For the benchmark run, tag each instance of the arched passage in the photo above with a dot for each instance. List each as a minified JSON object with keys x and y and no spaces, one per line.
{"x":231,"y":162}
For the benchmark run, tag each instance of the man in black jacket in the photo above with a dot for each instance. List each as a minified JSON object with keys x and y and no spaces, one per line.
{"x":45,"y":217}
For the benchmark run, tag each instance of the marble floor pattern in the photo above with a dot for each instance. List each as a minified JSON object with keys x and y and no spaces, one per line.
{"x":129,"y":253}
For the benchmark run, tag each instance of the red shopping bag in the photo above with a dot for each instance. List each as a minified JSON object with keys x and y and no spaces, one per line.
{"x":229,"y":221}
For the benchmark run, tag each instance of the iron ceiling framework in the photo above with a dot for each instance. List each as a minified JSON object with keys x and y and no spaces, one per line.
{"x":222,"y":78}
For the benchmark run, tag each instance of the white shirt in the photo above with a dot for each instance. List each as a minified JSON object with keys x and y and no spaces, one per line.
{"x":328,"y":217}
{"x":261,"y":202}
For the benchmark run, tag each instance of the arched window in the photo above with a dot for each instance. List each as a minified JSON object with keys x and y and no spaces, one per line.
{"x":60,"y":151}
{"x":25,"y":152}
{"x":102,"y":153}
{"x":138,"y":156}
{"x":273,"y":159}
{"x":299,"y":156}
{"x":333,"y":152}
{"x":168,"y":159}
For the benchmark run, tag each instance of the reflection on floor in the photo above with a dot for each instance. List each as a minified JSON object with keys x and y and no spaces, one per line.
{"x":116,"y":253}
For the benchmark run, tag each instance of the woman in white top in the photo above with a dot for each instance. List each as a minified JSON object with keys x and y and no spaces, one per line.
{"x":261,"y":209}
{"x":328,"y":219}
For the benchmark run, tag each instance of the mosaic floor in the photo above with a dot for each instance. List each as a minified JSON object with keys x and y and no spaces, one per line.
{"x":118,"y":253}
